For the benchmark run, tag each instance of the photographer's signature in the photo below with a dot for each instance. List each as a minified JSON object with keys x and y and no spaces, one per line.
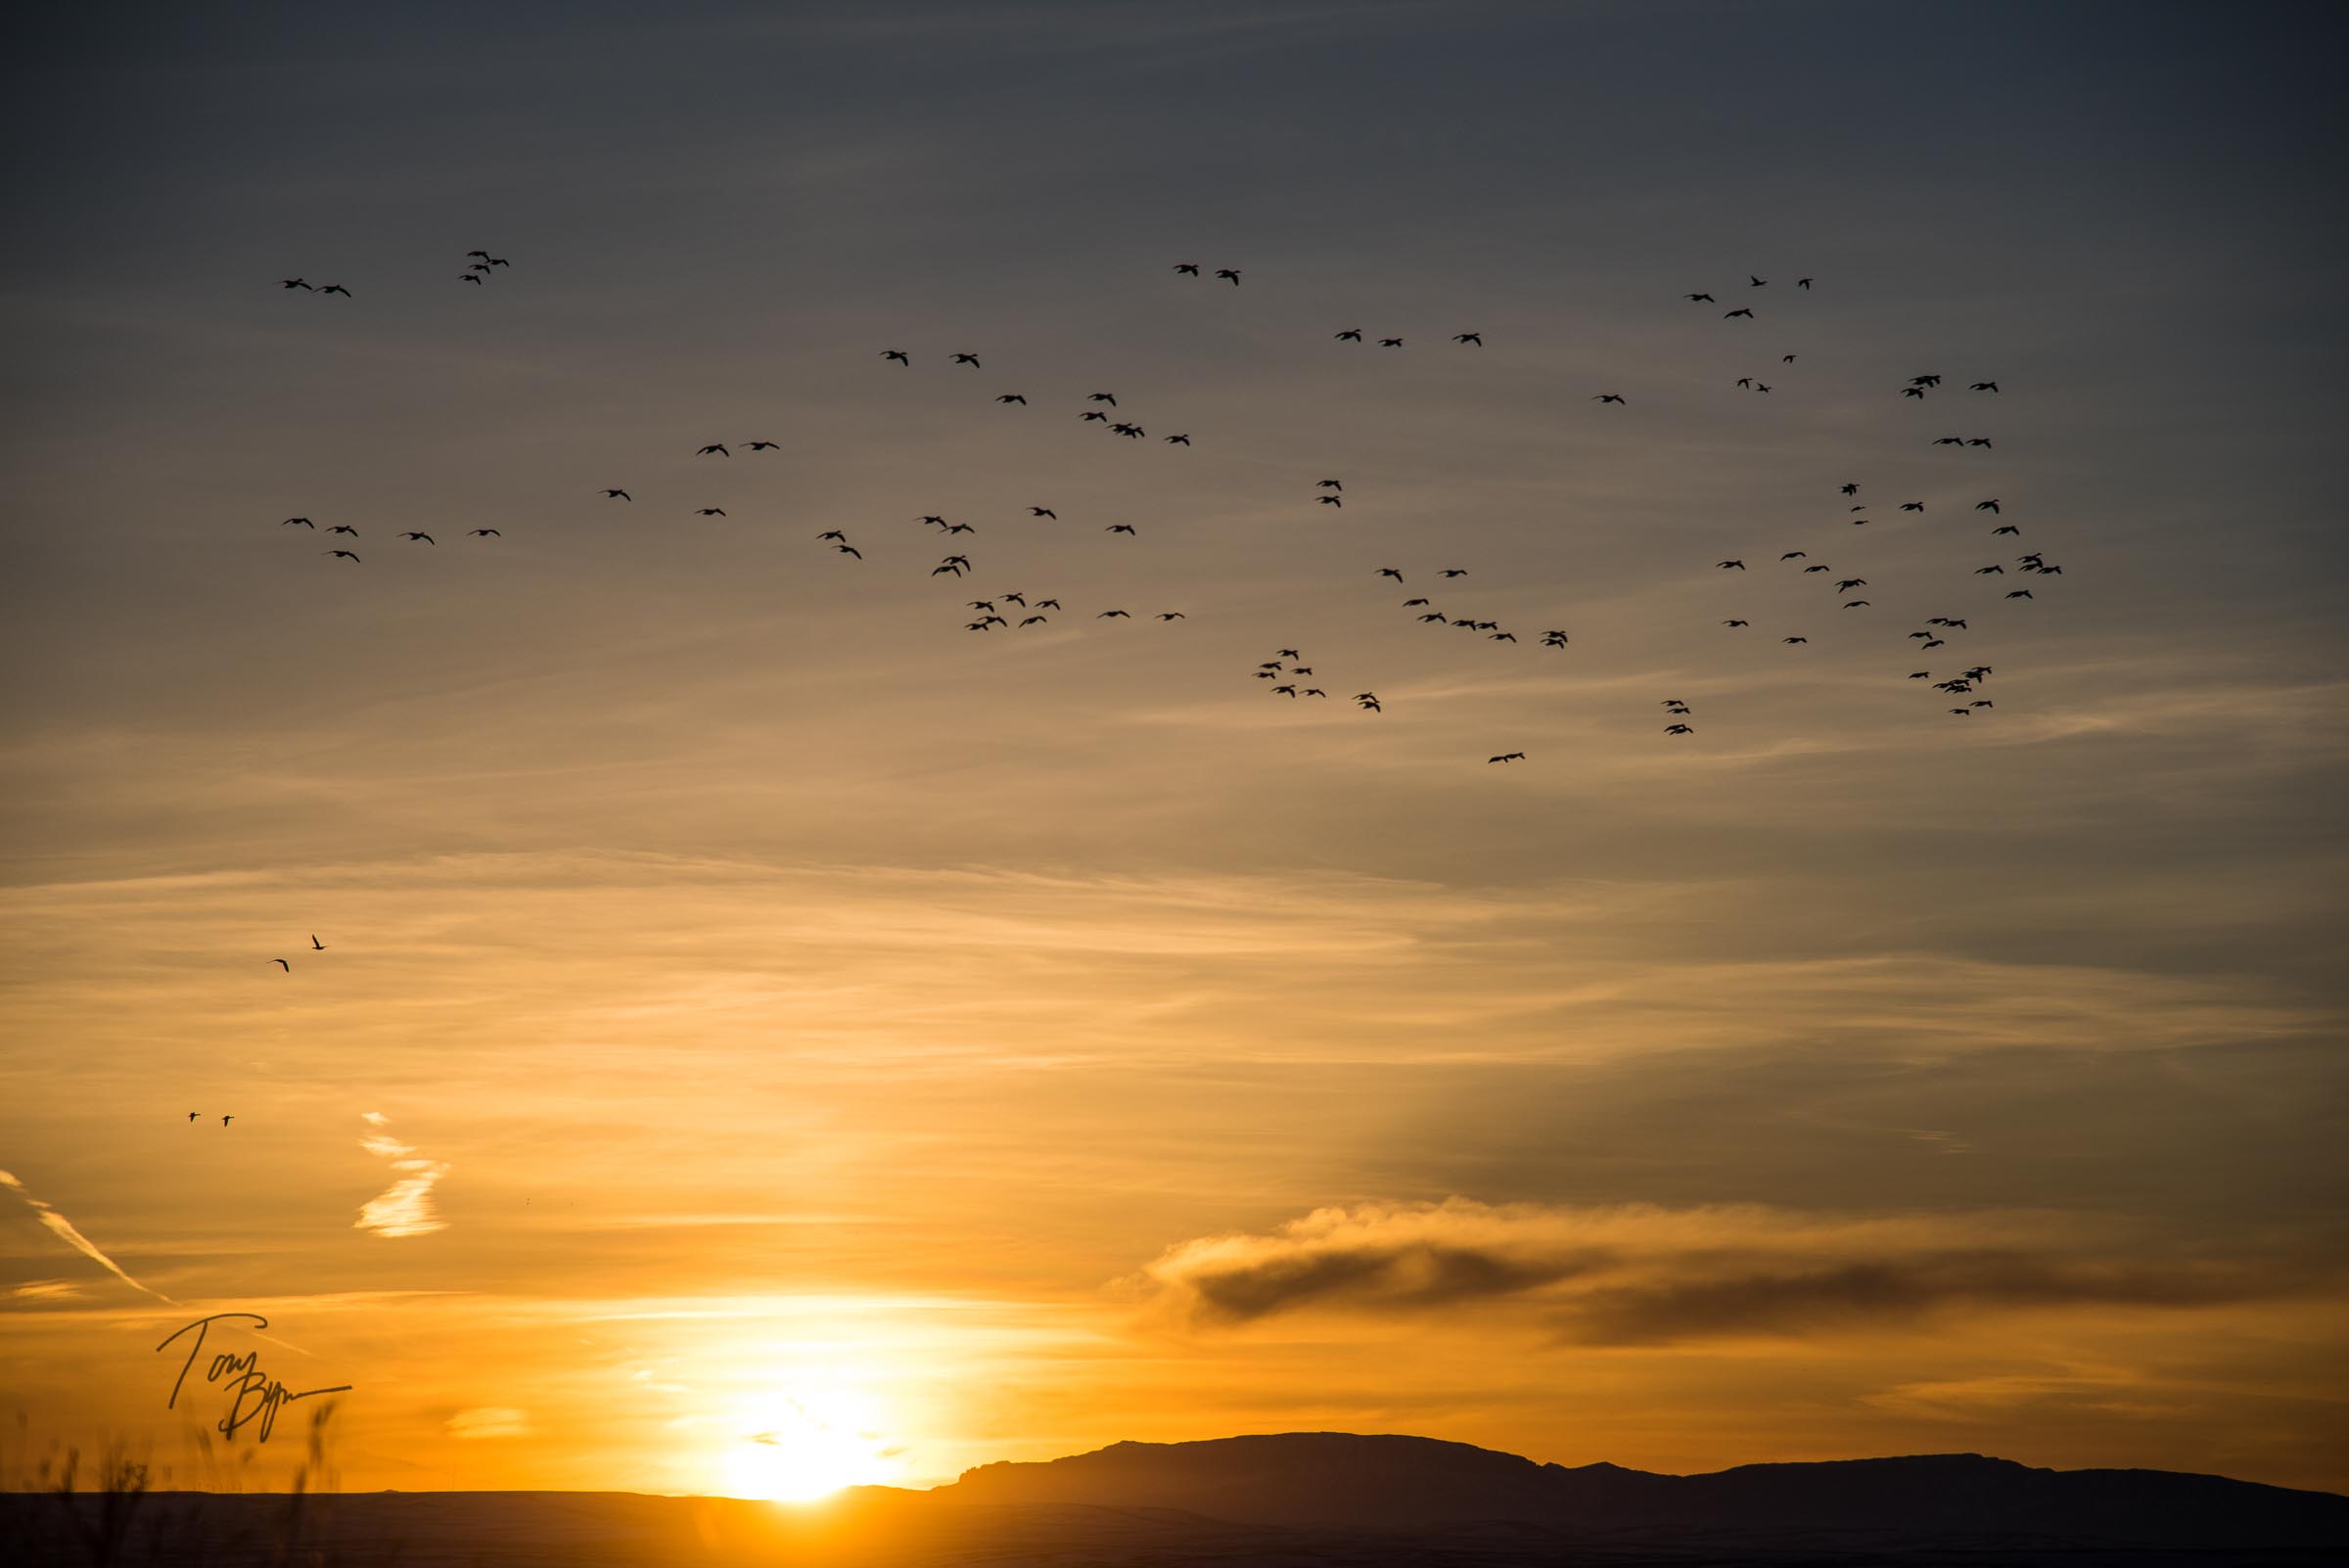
{"x":253,"y":1397}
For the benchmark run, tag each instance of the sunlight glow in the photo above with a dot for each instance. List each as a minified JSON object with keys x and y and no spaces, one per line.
{"x":801,"y":1443}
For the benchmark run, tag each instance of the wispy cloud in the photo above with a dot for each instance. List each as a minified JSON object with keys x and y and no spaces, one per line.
{"x":66,"y":1231}
{"x":405,"y":1208}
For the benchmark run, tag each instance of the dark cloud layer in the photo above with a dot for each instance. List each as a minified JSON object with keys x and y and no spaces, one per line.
{"x":1649,"y":1276}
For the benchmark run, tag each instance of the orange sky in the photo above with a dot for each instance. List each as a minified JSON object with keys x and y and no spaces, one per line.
{"x":768,"y":1036}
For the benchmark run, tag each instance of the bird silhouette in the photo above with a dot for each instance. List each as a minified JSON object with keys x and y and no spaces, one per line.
{"x":224,"y":1121}
{"x":1802,"y":283}
{"x":970,"y":360}
{"x":1179,"y":441}
{"x":709,"y":511}
{"x":1390,"y":343}
{"x":1012,"y":397}
{"x":336,"y":288}
{"x":713,"y":447}
{"x":1507,"y":757}
{"x":1730,"y":565}
{"x":1190,"y":268}
{"x":302,"y":521}
{"x":345,"y":554}
{"x":620,"y":496}
{"x":764,"y":447}
{"x":1984,"y":386}
{"x":1727,"y":315}
{"x":492,"y":533}
{"x":1476,"y":337}
{"x":1608,"y":397}
{"x":1110,"y":398}
{"x":896,"y":354}
{"x":315,"y":944}
{"x":1351,"y":335}
{"x":426,"y":537}
{"x":1233,"y":273}
{"x":282,"y":964}
{"x":1700,"y":297}
{"x":1044,"y":511}
{"x":1679,"y":729}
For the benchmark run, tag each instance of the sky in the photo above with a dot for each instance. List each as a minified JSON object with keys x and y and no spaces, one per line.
{"x":768,"y":1035}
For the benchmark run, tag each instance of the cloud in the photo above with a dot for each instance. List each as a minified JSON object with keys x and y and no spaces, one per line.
{"x":405,"y":1208}
{"x":490,"y":1421}
{"x":1644,"y":1275}
{"x":66,"y":1231}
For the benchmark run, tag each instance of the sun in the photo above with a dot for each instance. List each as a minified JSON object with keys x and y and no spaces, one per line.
{"x":799,"y":1445}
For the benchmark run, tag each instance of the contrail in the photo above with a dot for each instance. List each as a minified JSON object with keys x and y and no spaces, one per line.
{"x":75,"y":1239}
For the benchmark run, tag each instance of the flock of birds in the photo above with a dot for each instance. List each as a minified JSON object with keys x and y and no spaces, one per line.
{"x":1286,"y":675}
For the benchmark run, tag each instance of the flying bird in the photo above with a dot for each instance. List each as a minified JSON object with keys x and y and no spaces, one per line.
{"x":1390,"y":343}
{"x":1233,"y":273}
{"x":1351,"y":335}
{"x":315,"y":944}
{"x":1189,"y":268}
{"x":282,"y":964}
{"x":1179,"y":441}
{"x":711,"y":511}
{"x":1110,"y":398}
{"x":291,"y":283}
{"x":336,"y":288}
{"x":343,"y":528}
{"x":1507,"y":757}
{"x":492,"y":533}
{"x":1608,"y":397}
{"x":764,"y":447}
{"x":345,"y":554}
{"x":1012,"y":397}
{"x":1044,"y":511}
{"x":1726,"y":316}
{"x":426,"y":537}
{"x":1174,"y":614}
{"x":1727,"y":564}
{"x":620,"y":496}
{"x":1984,"y":386}
{"x":1802,"y":283}
{"x":1794,"y":639}
{"x":1736,"y":622}
{"x":1679,"y":729}
{"x":898,"y":354}
{"x":1700,"y":297}
{"x":713,"y":447}
{"x":970,"y":360}
{"x":1476,"y":337}
{"x":303,"y":521}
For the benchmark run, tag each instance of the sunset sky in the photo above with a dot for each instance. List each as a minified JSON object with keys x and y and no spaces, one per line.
{"x":770,"y":1036}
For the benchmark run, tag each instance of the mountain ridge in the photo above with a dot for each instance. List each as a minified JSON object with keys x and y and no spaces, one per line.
{"x":1396,"y":1481}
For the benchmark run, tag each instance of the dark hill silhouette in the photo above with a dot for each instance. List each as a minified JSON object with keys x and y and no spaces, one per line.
{"x":1326,"y":1499}
{"x":1315,"y":1478}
